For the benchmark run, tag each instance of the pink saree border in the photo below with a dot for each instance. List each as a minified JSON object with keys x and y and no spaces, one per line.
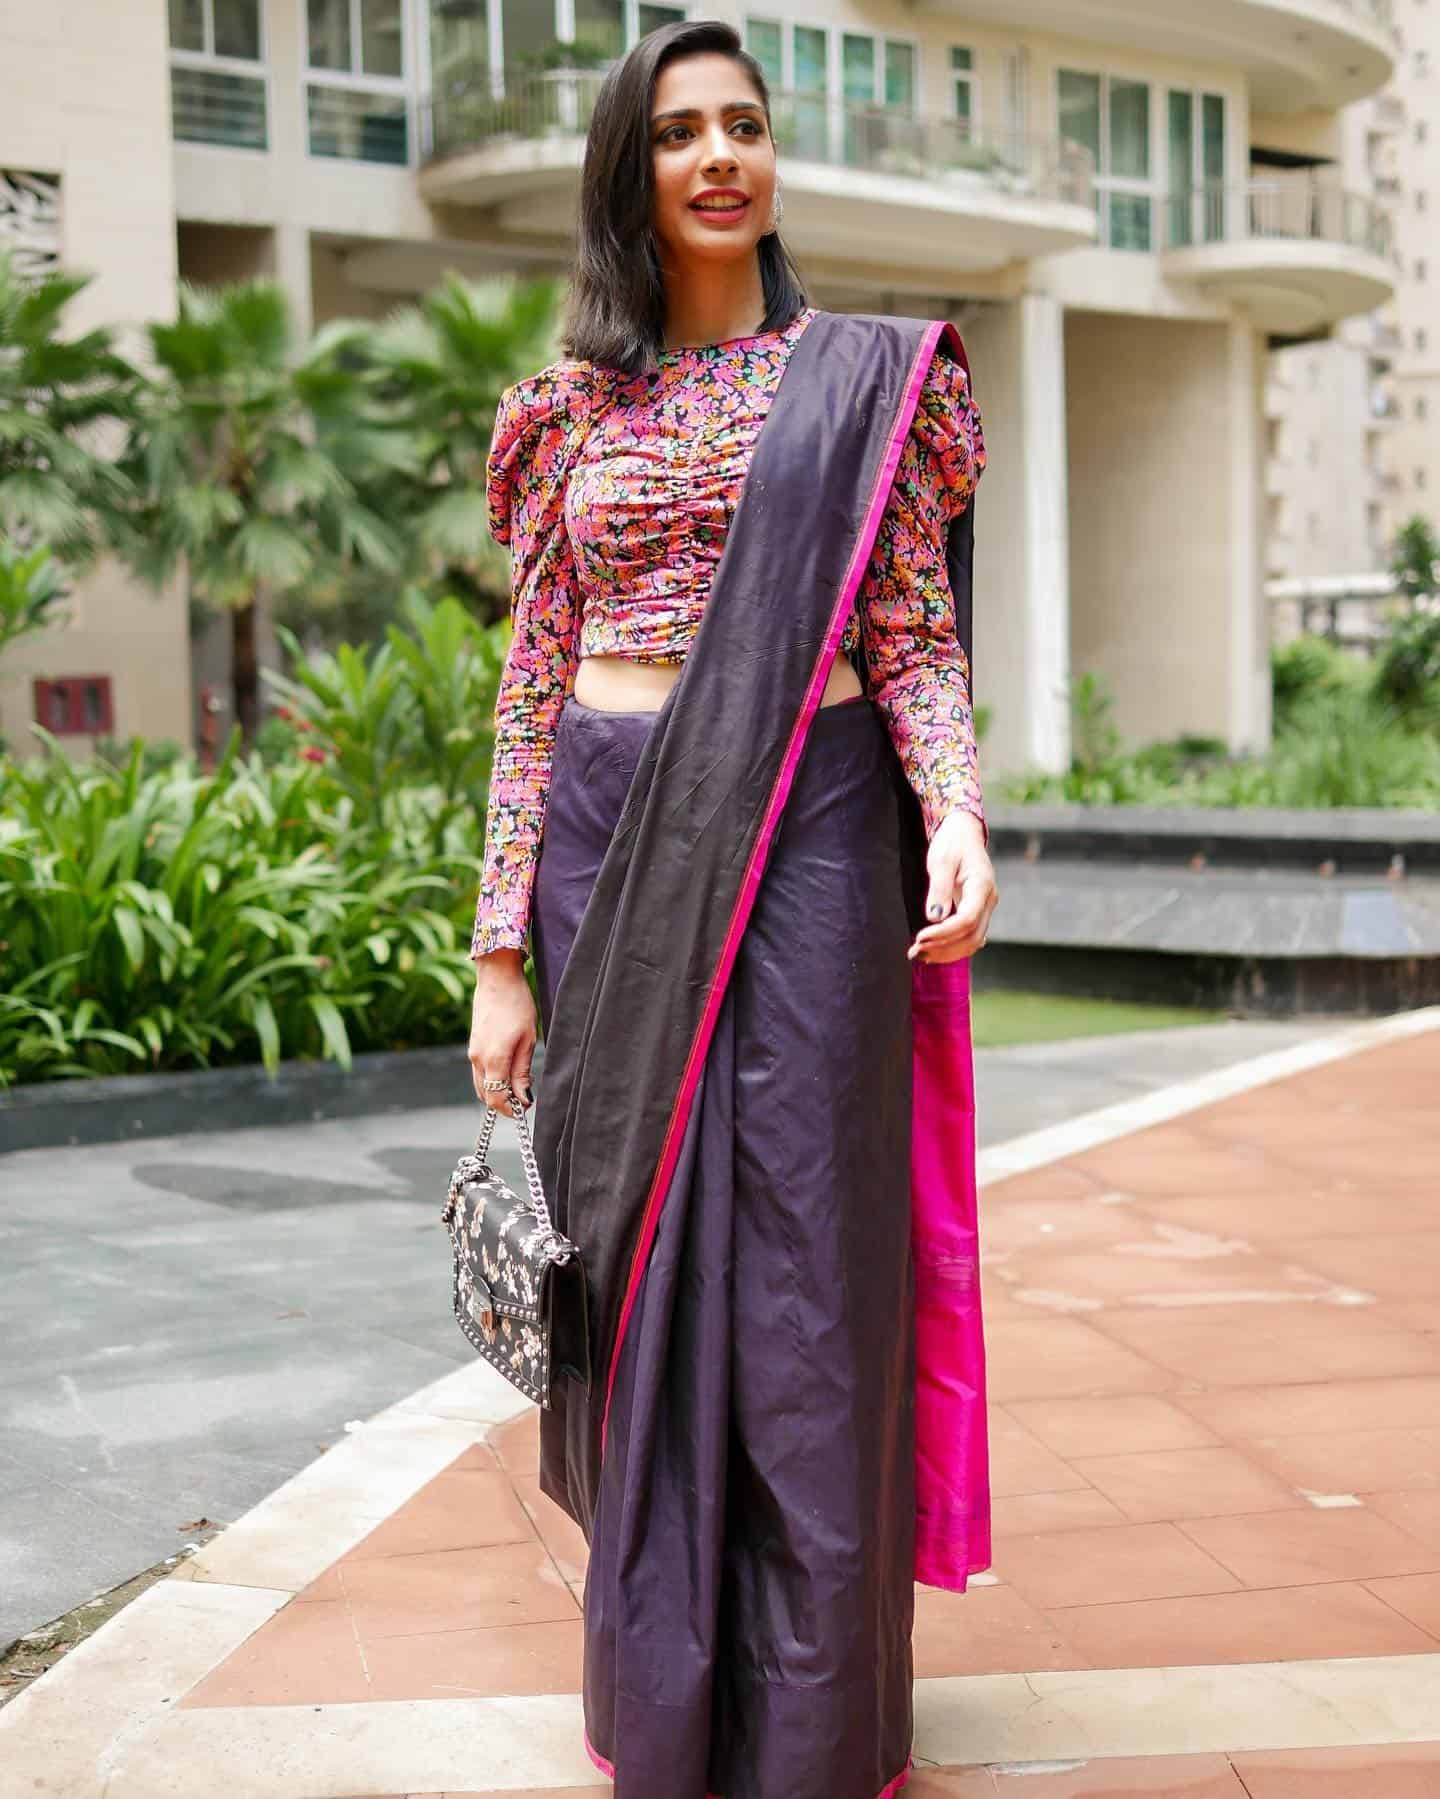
{"x":754,"y":868}
{"x":608,"y":1768}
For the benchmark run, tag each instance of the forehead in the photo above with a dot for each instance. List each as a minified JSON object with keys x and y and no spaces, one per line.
{"x":708,"y":81}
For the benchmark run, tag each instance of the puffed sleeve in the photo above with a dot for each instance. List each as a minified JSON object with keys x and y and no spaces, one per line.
{"x":920,"y":674}
{"x":535,"y":425}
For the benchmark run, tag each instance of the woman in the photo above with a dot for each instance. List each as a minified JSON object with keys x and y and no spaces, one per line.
{"x":757,"y":1119}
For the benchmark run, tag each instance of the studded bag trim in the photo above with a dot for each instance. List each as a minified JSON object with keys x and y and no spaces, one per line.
{"x":519,"y":1285}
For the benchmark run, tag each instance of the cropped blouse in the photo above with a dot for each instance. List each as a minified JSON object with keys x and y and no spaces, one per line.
{"x":618,"y":559}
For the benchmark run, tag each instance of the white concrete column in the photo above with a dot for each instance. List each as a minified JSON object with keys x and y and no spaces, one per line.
{"x":1022,"y":558}
{"x":285,"y":48}
{"x":1248,"y":671}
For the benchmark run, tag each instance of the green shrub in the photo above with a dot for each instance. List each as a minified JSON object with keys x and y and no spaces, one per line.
{"x":1307,"y":666}
{"x":1408,"y":674}
{"x":313,"y":905}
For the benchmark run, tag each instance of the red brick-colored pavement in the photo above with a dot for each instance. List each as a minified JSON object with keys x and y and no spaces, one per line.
{"x":1215,"y":1370}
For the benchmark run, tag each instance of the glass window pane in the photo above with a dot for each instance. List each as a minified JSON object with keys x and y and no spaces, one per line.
{"x":187,"y":24}
{"x":382,"y":40}
{"x":601,"y":22}
{"x":1129,"y":222}
{"x":329,"y":34}
{"x":899,"y":74}
{"x":961,"y":58}
{"x":653,"y":17}
{"x":459,"y":43}
{"x":1212,"y":113}
{"x":358,"y":126}
{"x":237,"y":29}
{"x":212,"y":106}
{"x":857,"y":66}
{"x":1180,"y":118}
{"x":812,"y":125}
{"x":1129,"y":128}
{"x":526,"y":27}
{"x":1080,"y":110}
{"x":763,"y":41}
{"x":809,"y":59}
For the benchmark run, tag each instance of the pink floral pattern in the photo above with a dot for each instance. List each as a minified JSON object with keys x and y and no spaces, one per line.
{"x":618,"y":557}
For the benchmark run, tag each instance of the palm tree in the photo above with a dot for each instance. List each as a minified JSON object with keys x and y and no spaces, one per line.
{"x":437,"y":370}
{"x":58,"y":398}
{"x":248,"y":457}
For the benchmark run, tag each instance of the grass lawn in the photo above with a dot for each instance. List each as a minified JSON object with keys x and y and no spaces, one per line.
{"x":1001,"y":1016}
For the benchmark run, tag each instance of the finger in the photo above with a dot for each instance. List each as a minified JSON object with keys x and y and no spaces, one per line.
{"x":494,"y":1097}
{"x":520,"y":1078}
{"x":960,"y":934}
{"x":943,"y":863}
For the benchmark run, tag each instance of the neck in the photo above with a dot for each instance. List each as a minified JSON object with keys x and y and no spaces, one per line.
{"x":708,"y":308}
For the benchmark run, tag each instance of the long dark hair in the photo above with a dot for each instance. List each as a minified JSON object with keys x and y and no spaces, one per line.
{"x":615,"y":313}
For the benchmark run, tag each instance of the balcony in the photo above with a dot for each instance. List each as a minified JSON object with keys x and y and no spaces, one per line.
{"x":864,"y":184}
{"x":1296,"y":54}
{"x":1297,"y":256}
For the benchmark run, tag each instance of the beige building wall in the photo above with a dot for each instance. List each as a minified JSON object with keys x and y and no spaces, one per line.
{"x":1157,"y":601}
{"x":84,"y":97}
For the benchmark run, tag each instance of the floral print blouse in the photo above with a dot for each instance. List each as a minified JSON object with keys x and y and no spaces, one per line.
{"x":618,"y":560}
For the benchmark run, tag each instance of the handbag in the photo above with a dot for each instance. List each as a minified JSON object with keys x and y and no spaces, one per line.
{"x":519,"y":1284}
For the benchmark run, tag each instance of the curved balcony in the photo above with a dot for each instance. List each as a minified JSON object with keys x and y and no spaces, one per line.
{"x":863,"y":184}
{"x":1296,"y":54}
{"x":1298,"y":256}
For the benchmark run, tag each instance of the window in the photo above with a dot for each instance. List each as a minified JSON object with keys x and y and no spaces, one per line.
{"x":965,"y":99}
{"x":1419,"y":479}
{"x":1420,"y":406}
{"x":1111,"y":118}
{"x":1195,"y":143}
{"x":361,"y":111}
{"x":1421,"y":131}
{"x":459,"y":44}
{"x":1422,"y":269}
{"x":217,"y":95}
{"x":849,"y":96}
{"x":1421,"y":338}
{"x":78,"y":705}
{"x":1420,"y":199}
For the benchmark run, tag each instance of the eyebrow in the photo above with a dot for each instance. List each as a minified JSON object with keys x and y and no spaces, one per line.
{"x":694,"y":112}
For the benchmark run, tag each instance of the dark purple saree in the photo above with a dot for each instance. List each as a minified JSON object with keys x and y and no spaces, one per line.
{"x":756,"y":1120}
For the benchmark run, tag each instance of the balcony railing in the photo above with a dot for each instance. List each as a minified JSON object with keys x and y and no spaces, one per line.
{"x":1308,"y":211}
{"x":213,"y":106}
{"x":808,"y":127}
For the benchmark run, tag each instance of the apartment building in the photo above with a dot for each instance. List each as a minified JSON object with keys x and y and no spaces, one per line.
{"x":1353,"y":422}
{"x":1124,"y":204}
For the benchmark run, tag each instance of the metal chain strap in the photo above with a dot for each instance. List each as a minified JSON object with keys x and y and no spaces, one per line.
{"x":527,"y":1155}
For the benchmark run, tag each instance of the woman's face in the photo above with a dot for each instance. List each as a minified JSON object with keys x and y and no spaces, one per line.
{"x":708,"y":132}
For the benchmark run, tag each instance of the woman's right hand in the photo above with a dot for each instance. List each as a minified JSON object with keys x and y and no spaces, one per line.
{"x":503,"y":1028}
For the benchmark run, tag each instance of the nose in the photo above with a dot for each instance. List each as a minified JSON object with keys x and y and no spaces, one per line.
{"x":720,"y":151}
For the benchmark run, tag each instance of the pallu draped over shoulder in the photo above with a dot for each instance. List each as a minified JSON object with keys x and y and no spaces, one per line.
{"x":756,"y":1119}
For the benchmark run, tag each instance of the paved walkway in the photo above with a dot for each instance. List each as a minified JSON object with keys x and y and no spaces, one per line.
{"x":1214,"y":1335}
{"x":242,"y":1295}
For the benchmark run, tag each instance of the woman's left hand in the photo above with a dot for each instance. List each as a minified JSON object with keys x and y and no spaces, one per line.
{"x":962,"y":878}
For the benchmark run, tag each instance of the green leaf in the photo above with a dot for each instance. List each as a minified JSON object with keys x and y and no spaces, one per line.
{"x":332,"y":1027}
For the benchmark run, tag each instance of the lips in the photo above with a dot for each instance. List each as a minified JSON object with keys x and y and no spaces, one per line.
{"x":720,"y":200}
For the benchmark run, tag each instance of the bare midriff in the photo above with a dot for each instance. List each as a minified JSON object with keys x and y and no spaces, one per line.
{"x":616,"y":684}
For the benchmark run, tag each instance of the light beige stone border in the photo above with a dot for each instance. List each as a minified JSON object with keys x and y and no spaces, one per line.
{"x":102,"y":1723}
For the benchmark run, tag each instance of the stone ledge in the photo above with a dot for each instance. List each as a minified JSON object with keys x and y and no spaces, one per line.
{"x":59,"y":1114}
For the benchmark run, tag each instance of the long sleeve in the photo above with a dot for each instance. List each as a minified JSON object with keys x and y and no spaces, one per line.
{"x":919,"y":671}
{"x":525,"y":499}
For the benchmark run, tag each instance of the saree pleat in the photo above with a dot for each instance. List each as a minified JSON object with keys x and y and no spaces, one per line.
{"x":749,"y":1598}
